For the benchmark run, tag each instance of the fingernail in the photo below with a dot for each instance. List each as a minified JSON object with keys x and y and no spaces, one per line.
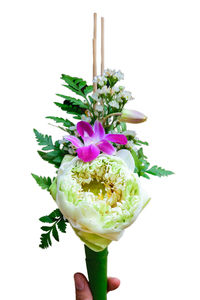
{"x":79,"y":282}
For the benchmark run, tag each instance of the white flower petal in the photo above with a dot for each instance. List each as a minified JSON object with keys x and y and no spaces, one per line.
{"x":126,"y":156}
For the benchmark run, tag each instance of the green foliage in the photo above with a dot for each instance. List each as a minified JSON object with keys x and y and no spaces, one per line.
{"x":53,"y":157}
{"x":43,"y":182}
{"x":62,"y":225}
{"x":71,"y":109}
{"x":57,"y":222}
{"x":46,"y":219}
{"x":72,"y":106}
{"x":137,"y":161}
{"x":44,"y":140}
{"x":77,"y":85}
{"x":142,"y":166}
{"x":65,"y":122}
{"x":54,"y":152}
{"x":139,"y":142}
{"x":73,"y":101}
{"x":111,"y":81}
{"x":158,"y":171}
{"x":121,"y":127}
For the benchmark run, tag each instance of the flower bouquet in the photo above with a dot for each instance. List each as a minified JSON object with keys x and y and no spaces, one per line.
{"x":98,"y":164}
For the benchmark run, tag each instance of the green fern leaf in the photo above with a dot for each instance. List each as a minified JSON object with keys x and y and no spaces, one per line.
{"x":158,"y":171}
{"x":44,"y":140}
{"x":43,"y":182}
{"x":55,"y":219}
{"x":65,"y":122}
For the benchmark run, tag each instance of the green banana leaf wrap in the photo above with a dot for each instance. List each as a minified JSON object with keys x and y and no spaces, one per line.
{"x":96,"y":263}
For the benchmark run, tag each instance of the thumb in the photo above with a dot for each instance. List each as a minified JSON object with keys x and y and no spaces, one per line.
{"x":82,"y":287}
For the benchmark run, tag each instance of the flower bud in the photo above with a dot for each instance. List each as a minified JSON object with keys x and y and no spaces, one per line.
{"x":132,"y":116}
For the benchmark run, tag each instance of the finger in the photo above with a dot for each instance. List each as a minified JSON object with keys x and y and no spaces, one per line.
{"x":113,"y":283}
{"x":82,"y":288}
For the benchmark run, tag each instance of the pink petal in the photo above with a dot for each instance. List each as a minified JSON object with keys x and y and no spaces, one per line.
{"x":88,"y":140}
{"x":88,"y":153}
{"x":116,"y":138}
{"x":99,"y":131}
{"x":84,"y":129}
{"x":74,"y":140}
{"x":106,"y":147}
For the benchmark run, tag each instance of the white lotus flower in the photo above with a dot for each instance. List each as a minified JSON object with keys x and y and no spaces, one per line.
{"x":99,"y":198}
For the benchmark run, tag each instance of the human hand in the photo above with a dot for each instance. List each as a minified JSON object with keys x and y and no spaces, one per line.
{"x":82,"y":286}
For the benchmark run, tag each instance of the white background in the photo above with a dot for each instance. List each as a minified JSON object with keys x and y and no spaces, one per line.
{"x":156,"y":44}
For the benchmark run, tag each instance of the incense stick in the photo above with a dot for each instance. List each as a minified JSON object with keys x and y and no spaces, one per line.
{"x":102,"y":46}
{"x":95,"y":52}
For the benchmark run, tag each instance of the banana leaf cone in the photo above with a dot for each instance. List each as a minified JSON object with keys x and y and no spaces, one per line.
{"x":96,"y":263}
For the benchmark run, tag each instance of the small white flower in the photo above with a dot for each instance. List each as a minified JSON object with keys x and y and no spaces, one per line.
{"x":127,"y":95}
{"x":99,"y":92}
{"x":119,"y":75}
{"x":109,"y":72}
{"x":122,"y":88}
{"x":71,"y":151}
{"x":62,"y":141}
{"x":114,"y":103}
{"x":96,"y":78}
{"x":99,"y":107}
{"x":119,"y":99}
{"x":100,"y":80}
{"x":130,"y":132}
{"x":105,"y":90}
{"x":85,"y":118}
{"x":116,"y":89}
{"x":118,"y":146}
{"x":95,"y":96}
{"x":115,"y":124}
{"x":72,"y":128}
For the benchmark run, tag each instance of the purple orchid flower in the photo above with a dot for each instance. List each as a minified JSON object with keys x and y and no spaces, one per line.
{"x":95,"y":140}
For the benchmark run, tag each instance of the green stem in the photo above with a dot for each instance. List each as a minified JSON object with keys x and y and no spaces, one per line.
{"x":96,"y":263}
{"x":110,"y":115}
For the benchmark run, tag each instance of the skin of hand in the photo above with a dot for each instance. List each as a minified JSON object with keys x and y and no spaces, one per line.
{"x":82,"y":287}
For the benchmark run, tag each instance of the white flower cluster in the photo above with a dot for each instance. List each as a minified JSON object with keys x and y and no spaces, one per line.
{"x":117,"y":95}
{"x":116,"y":74}
{"x":69,"y":148}
{"x":101,"y":80}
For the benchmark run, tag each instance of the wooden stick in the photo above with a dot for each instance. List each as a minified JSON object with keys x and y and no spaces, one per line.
{"x":95,"y":26}
{"x":102,"y":46}
{"x":95,"y":52}
{"x":94,"y":65}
